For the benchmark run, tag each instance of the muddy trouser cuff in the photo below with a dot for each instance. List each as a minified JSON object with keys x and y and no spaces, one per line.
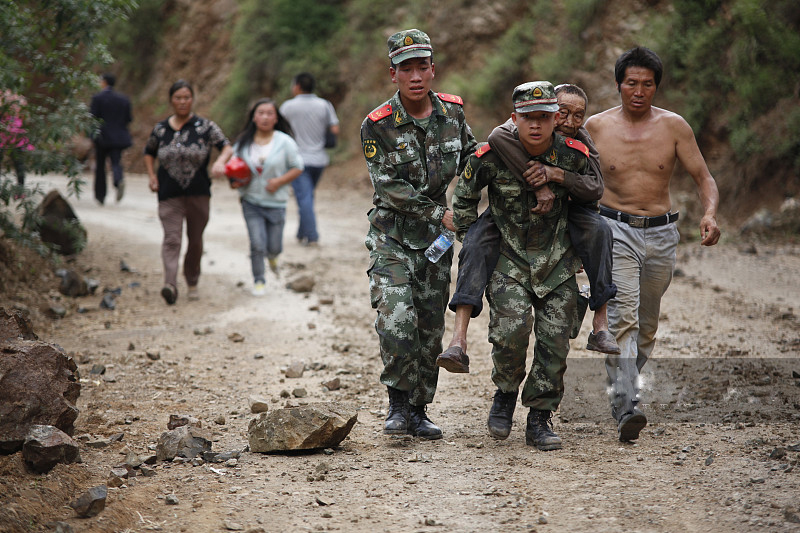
{"x":593,"y":240}
{"x":476,"y":261}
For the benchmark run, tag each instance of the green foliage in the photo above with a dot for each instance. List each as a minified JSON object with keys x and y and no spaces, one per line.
{"x":135,"y":40}
{"x":48,"y":54}
{"x":737,"y":58}
{"x":274,"y":40}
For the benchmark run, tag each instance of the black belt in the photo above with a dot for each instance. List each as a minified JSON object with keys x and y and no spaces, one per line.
{"x":639,"y":222}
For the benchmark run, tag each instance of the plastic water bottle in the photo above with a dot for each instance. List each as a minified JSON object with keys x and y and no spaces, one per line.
{"x":585,"y":291}
{"x":438,"y":247}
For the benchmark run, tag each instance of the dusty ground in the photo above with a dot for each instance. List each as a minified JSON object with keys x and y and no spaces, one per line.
{"x":720,"y":453}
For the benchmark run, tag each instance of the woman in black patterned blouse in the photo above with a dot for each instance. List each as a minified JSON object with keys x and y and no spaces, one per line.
{"x":182,"y":144}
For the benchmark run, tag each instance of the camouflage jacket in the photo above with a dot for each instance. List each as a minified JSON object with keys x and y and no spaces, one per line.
{"x":411,"y":168}
{"x":536,"y":249}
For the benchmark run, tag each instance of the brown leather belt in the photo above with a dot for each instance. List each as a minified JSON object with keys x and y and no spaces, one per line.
{"x":639,"y":222}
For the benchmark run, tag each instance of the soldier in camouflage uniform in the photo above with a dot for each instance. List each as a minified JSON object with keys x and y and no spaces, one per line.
{"x":537,"y":265}
{"x":414,"y":145}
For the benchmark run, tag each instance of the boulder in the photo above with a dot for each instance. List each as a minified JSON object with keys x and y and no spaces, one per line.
{"x":320,"y":425}
{"x":14,"y":325}
{"x":46,"y":446}
{"x":302,"y":283}
{"x":39,"y":385}
{"x":72,"y":284}
{"x":184,"y":441}
{"x":58,"y":225}
{"x":176,"y":421}
{"x":91,"y":502}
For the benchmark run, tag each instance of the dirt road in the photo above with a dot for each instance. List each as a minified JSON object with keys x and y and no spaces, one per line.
{"x":720,"y":453}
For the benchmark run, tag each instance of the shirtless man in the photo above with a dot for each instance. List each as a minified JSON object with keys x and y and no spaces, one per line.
{"x":639,"y":146}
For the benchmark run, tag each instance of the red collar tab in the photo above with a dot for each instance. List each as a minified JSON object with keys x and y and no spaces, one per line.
{"x":380,"y":113}
{"x":483,"y":150}
{"x":577,"y":145}
{"x":452,"y":98}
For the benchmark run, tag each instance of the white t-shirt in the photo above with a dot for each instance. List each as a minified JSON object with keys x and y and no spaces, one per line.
{"x":309,"y":115}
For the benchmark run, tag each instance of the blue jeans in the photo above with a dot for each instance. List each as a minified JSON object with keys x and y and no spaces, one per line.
{"x":265,"y":227}
{"x":304,"y":187}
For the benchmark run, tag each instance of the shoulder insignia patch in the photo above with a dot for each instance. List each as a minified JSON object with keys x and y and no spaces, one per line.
{"x":577,"y":145}
{"x":380,"y":113}
{"x":482,"y":150}
{"x":452,"y":98}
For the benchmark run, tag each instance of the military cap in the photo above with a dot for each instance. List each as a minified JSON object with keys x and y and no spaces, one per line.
{"x":407,"y":44}
{"x":535,"y":96}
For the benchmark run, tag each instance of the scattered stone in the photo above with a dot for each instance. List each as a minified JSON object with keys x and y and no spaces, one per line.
{"x":123,"y":267}
{"x":334,"y":384}
{"x":132,"y":460}
{"x":302,"y":283}
{"x":46,"y":446}
{"x":153,"y":355}
{"x":256,"y":530}
{"x":299,"y":392}
{"x":258,"y":405}
{"x":233,"y":526}
{"x":58,"y":225}
{"x":176,"y":421}
{"x":790,"y":515}
{"x":778,"y":453}
{"x":214,"y":457}
{"x":55,"y":310}
{"x":98,"y":369}
{"x":219,"y":420}
{"x":326,"y":300}
{"x":236,"y":337}
{"x":322,"y":425}
{"x":258,"y":356}
{"x":39,"y":385}
{"x":171,"y":499}
{"x":146,"y":471}
{"x":285,"y":393}
{"x":117,"y":437}
{"x":91,"y":502}
{"x":72,"y":284}
{"x":98,"y":443}
{"x":60,"y":527}
{"x":150,"y":459}
{"x":296,"y":370}
{"x":184,"y":441}
{"x":709,"y":460}
{"x":108,"y":301}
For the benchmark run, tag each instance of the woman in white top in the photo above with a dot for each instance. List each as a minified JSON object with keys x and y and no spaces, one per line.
{"x":269,"y":150}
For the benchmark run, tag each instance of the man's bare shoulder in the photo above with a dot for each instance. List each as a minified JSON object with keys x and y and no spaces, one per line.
{"x":597,"y":120}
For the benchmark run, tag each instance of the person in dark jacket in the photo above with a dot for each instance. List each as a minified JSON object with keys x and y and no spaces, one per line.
{"x":113,"y":110}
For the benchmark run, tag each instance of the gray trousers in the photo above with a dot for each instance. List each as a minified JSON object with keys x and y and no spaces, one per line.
{"x":644,"y":259}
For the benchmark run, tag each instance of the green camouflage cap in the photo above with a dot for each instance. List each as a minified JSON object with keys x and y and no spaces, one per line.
{"x":407,"y":44}
{"x":535,"y":96}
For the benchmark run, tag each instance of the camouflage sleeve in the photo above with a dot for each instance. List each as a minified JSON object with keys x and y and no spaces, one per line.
{"x":468,"y":144}
{"x":467,"y":195}
{"x":586,"y":187}
{"x":394,"y":192}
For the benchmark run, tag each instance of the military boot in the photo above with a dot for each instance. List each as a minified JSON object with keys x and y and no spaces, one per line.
{"x":397,"y":419}
{"x":420,"y":425}
{"x":501,"y":414}
{"x":539,"y":431}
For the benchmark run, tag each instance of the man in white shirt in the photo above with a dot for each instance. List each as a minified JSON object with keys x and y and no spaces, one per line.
{"x":310,"y":117}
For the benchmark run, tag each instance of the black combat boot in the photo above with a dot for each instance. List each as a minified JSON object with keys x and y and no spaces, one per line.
{"x":420,"y":425}
{"x":397,"y":419}
{"x":501,"y":414}
{"x":539,"y":432}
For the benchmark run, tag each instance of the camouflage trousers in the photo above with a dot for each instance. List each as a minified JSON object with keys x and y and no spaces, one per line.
{"x":410,"y":294}
{"x":510,"y":325}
